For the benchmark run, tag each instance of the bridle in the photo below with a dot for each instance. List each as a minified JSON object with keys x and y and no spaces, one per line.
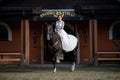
{"x":51,"y":35}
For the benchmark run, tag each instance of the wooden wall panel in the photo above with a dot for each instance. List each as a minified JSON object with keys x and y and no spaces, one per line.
{"x":35,"y":41}
{"x":104,"y":44}
{"x":15,"y":44}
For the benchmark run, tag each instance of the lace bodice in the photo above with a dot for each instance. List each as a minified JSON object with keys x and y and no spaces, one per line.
{"x":59,"y":25}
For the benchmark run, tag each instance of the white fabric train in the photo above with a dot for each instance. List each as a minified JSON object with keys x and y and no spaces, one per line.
{"x":69,"y":42}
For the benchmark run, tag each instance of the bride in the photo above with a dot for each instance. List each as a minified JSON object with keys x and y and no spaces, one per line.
{"x":69,"y":42}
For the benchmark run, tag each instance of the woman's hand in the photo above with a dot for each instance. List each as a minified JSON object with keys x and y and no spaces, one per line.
{"x":58,"y":32}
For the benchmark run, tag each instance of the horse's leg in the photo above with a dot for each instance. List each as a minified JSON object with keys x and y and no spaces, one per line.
{"x":56,"y":52}
{"x":73,"y":66}
{"x":54,"y":63}
{"x":73,"y":60}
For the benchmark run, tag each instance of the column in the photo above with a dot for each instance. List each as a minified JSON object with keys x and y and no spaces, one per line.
{"x":22,"y":37}
{"x":93,"y":40}
{"x":90,"y":40}
{"x":25,"y":40}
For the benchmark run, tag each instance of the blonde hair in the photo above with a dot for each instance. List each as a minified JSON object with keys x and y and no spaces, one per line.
{"x":60,"y":15}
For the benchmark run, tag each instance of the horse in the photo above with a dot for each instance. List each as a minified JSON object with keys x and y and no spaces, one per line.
{"x":55,"y":47}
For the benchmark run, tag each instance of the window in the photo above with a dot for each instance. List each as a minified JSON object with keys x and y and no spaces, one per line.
{"x":114,"y":31}
{"x":5,"y":32}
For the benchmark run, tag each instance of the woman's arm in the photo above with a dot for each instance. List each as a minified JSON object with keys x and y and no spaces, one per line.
{"x":62,"y":24}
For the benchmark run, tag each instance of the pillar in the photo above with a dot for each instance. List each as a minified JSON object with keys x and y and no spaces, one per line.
{"x":93,"y":40}
{"x":25,"y":40}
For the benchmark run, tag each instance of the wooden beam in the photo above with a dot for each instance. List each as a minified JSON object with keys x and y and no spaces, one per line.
{"x":95,"y":34}
{"x":90,"y":40}
{"x":108,"y":59}
{"x":93,"y":39}
{"x":23,"y":37}
{"x":42,"y":45}
{"x":27,"y":41}
{"x":20,"y":59}
{"x":17,"y":59}
{"x":108,"y":52}
{"x":10,"y":53}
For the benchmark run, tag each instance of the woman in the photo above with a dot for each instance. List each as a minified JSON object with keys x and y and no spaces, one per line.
{"x":69,"y":42}
{"x":59,"y":24}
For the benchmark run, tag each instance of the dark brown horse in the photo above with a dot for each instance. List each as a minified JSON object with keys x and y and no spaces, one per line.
{"x":55,"y":47}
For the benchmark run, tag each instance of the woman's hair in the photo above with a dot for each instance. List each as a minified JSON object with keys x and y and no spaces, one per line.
{"x":60,"y":15}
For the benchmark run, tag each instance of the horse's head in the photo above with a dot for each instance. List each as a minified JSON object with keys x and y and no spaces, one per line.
{"x":49,"y":32}
{"x":52,"y":38}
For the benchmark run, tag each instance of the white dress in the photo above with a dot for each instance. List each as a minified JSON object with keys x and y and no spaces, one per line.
{"x":69,"y":42}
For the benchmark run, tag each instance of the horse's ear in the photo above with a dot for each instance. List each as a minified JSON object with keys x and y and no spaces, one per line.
{"x":53,"y":23}
{"x":45,"y":23}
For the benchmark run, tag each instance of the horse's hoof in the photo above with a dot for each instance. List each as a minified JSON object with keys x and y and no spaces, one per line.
{"x":54,"y":70}
{"x":73,"y":68}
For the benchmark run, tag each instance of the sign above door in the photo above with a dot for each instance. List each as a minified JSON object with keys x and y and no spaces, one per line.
{"x":56,"y":12}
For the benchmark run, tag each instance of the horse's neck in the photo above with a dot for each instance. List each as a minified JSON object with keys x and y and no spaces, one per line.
{"x":54,"y":37}
{"x":57,"y":42}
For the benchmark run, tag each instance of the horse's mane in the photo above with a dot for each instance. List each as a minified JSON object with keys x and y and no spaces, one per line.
{"x":53,"y":34}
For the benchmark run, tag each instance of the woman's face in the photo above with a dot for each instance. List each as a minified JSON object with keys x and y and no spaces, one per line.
{"x":60,"y":17}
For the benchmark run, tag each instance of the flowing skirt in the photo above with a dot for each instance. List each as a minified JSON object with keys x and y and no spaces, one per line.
{"x":69,"y":42}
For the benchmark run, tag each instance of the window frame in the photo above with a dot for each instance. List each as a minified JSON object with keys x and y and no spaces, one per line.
{"x":8,"y":29}
{"x":111,"y":37}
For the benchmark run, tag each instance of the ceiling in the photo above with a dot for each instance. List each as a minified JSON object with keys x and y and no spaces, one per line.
{"x":52,"y":4}
{"x":82,"y":7}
